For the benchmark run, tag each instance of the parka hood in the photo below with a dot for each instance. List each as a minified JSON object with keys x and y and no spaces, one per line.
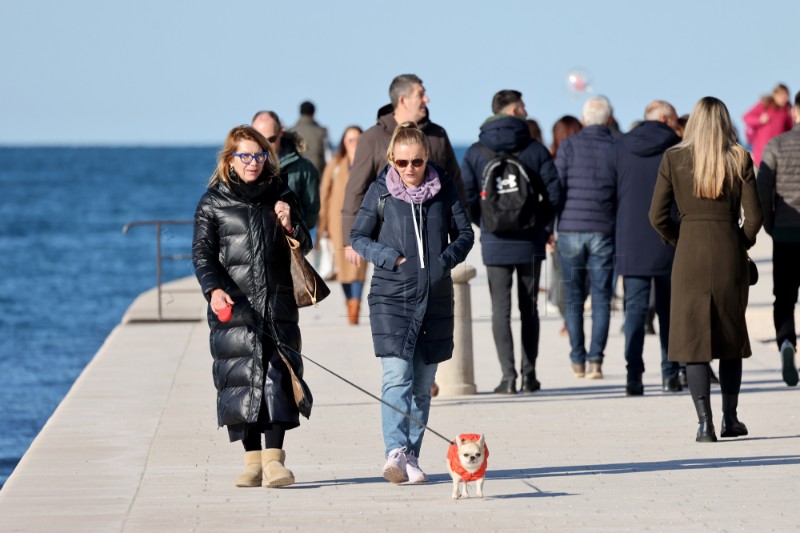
{"x":649,"y":138}
{"x":504,"y":133}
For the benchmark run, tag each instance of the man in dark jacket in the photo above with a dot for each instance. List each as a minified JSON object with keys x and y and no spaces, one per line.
{"x":409,"y":104}
{"x":520,"y":251}
{"x":779,"y":190}
{"x":297,"y":171}
{"x":586,"y":233}
{"x":642,"y":259}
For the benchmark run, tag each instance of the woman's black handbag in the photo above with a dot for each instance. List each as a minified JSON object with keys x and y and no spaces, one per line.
{"x":753,"y":271}
{"x":309,"y":287}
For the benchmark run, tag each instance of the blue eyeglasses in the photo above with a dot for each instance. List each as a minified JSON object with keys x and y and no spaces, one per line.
{"x":260,"y":157}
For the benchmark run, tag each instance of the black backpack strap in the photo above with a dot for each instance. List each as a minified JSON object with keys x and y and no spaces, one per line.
{"x":379,"y":215}
{"x":486,"y":151}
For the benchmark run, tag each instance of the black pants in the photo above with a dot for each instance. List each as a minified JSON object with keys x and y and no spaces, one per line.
{"x":273,"y":437}
{"x":786,"y":280}
{"x":500,"y":282}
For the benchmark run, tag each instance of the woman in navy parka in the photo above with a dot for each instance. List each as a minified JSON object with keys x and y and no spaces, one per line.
{"x":418,"y":235}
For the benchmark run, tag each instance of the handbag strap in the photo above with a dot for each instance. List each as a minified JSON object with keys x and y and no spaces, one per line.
{"x":294,"y":244}
{"x":297,"y":389}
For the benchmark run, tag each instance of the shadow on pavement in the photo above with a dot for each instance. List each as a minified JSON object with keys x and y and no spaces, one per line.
{"x":583,"y":470}
{"x":654,"y":466}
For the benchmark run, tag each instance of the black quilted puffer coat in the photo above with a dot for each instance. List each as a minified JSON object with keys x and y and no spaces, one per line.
{"x":240,"y":247}
{"x":411,"y":308}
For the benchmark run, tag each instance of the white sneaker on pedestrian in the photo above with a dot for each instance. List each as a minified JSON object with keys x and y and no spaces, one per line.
{"x":415,"y":473}
{"x":395,"y":468}
{"x":790,"y":375}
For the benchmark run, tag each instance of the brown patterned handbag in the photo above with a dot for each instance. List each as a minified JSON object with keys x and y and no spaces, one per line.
{"x":309,"y":287}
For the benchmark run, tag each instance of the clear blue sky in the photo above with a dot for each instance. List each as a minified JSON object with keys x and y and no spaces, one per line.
{"x":184,"y":72}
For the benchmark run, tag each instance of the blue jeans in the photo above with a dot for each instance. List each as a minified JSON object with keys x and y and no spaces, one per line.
{"x":637,"y":297}
{"x":353,"y":290}
{"x":407,"y":386}
{"x":582,"y":255}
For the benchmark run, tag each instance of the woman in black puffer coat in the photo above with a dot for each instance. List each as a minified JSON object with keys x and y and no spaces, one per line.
{"x":242,"y":260}
{"x":423,"y":234}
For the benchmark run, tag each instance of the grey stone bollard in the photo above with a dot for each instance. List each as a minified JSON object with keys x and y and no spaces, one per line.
{"x":456,"y":377}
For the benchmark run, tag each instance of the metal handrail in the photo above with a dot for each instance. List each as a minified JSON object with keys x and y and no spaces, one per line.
{"x":159,"y":258}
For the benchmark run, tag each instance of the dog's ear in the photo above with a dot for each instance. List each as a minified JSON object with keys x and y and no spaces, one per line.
{"x":480,"y":442}
{"x":458,"y":440}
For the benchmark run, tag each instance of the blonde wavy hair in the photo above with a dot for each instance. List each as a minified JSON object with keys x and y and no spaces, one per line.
{"x":243,"y":133}
{"x":717,"y":154}
{"x":407,"y":133}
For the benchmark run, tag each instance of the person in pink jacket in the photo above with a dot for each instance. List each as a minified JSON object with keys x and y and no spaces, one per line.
{"x":768,"y":118}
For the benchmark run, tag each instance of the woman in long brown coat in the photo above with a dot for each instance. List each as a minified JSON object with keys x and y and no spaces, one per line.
{"x":332,"y":191}
{"x":710,"y":178}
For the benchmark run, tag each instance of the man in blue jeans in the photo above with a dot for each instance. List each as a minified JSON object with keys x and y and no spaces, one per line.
{"x":586,"y":233}
{"x":642,"y":259}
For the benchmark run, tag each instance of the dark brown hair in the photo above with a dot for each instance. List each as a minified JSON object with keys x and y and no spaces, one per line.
{"x":341,"y":152}
{"x":563,"y":128}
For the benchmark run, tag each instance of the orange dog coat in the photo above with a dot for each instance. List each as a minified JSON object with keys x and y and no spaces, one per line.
{"x":455,"y":463}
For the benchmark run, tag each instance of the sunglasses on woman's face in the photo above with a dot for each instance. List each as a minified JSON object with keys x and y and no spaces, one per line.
{"x":403,"y":163}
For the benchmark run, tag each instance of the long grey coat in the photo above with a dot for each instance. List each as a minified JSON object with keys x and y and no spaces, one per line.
{"x":710,"y":276}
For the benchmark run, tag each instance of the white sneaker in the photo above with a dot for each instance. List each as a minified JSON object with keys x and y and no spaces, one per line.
{"x":415,"y":473}
{"x":395,"y":468}
{"x":787,"y":357}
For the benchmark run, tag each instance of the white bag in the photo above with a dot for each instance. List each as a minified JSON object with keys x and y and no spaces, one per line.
{"x":325,"y":265}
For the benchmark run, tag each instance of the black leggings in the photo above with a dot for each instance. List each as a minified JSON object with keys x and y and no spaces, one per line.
{"x":699,"y":377}
{"x":273,"y":437}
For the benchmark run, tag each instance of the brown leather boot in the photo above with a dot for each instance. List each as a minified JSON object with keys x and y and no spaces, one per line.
{"x":353,"y":309}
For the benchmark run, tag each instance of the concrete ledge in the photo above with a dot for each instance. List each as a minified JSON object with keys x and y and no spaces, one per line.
{"x":181,"y":301}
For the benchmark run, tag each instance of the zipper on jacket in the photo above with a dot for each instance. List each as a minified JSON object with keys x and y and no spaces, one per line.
{"x":419,"y":233}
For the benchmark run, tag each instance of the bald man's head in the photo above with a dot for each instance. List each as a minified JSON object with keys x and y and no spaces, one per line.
{"x":662,"y":111}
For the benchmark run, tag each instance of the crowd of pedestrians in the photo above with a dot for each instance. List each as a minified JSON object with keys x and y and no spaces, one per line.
{"x":670,"y":208}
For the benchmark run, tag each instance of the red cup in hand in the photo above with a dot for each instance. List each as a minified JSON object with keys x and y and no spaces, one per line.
{"x":225,"y":313}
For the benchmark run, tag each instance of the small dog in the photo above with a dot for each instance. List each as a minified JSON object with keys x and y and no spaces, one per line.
{"x":467,"y":458}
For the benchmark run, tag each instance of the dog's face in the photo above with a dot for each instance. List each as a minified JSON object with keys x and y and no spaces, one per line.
{"x":471,"y":453}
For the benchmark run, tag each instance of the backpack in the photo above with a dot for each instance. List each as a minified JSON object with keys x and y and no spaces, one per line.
{"x":509,"y":198}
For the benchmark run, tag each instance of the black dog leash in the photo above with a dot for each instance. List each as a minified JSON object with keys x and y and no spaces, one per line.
{"x":280,"y":344}
{"x":449,"y":441}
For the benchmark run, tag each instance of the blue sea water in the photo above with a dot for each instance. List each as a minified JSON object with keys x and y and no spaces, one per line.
{"x":68,"y":273}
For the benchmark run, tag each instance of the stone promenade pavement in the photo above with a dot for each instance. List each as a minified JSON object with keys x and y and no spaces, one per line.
{"x":134,"y":446}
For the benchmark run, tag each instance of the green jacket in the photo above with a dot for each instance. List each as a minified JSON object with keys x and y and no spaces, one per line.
{"x":303,"y":178}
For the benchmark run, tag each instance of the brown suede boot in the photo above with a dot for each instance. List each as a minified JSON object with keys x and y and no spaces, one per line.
{"x":353,"y":309}
{"x":251,"y":477}
{"x":595,"y":370}
{"x":275,"y":474}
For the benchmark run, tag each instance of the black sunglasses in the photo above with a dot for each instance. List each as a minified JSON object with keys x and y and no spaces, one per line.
{"x":403,"y":163}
